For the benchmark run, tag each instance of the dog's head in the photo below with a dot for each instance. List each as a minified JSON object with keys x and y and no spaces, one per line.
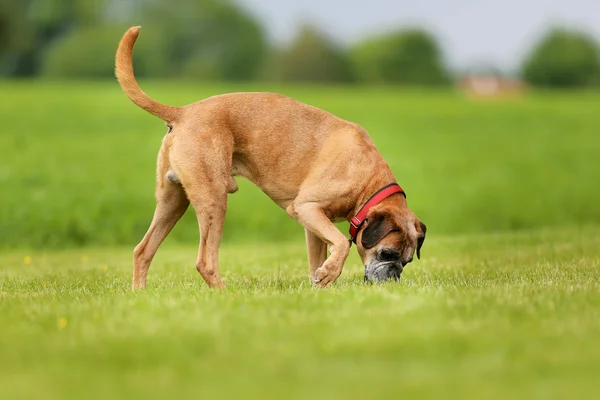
{"x":388,"y":240}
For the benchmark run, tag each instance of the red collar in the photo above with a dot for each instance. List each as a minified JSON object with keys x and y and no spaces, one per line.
{"x":377,"y":198}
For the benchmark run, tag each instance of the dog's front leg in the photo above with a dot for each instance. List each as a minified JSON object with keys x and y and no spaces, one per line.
{"x":317,"y":252}
{"x":312,"y":217}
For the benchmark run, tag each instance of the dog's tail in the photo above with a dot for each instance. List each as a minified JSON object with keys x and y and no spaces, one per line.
{"x":126,"y":78}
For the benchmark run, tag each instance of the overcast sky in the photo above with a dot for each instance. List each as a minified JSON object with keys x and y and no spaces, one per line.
{"x":480,"y":32}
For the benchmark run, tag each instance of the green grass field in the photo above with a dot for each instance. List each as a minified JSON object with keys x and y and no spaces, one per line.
{"x":504,"y":302}
{"x":486,"y":316}
{"x":78,"y":161}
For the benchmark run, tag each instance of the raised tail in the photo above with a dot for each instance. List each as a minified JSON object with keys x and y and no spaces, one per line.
{"x":126,"y":78}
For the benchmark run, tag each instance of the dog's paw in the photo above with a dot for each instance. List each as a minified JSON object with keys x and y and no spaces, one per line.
{"x":324,"y":277}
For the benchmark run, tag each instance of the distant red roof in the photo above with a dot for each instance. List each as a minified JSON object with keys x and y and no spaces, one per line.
{"x":482,"y":85}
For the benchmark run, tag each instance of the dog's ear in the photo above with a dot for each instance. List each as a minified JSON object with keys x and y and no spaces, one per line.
{"x":421,"y":238}
{"x":377,"y":227}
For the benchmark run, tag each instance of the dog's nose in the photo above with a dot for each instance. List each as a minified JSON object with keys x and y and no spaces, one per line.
{"x":388,"y":255}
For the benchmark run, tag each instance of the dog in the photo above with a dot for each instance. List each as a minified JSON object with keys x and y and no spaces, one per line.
{"x":319,"y":168}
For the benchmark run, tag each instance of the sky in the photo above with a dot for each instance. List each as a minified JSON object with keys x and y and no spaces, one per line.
{"x":477,"y":33}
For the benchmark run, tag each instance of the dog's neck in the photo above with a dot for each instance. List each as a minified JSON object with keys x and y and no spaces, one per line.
{"x":373,"y":186}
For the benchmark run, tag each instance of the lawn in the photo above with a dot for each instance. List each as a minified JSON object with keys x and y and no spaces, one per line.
{"x":78,"y":161}
{"x":480,"y":316}
{"x":505,"y":301}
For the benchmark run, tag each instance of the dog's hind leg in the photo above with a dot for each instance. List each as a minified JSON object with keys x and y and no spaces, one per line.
{"x":171,"y":203}
{"x":211,"y":218}
{"x":204,"y":167}
{"x":210,"y":204}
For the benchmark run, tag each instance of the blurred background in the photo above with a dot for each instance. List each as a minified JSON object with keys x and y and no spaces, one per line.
{"x":486,"y":111}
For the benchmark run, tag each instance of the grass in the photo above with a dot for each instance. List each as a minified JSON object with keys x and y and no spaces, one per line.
{"x":480,"y":316}
{"x":483,"y":315}
{"x":78,"y":161}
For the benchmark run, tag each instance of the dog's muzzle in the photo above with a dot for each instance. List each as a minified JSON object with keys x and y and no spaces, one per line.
{"x":379,"y":271}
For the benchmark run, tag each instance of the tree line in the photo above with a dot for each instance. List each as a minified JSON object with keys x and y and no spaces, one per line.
{"x":219,"y":40}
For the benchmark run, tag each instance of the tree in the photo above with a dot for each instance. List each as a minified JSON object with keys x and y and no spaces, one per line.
{"x":27,"y":27}
{"x":16,"y":36}
{"x":563,"y":58}
{"x":206,"y":39}
{"x":196,"y":38}
{"x":407,"y":57}
{"x":310,"y":58}
{"x":83,"y":53}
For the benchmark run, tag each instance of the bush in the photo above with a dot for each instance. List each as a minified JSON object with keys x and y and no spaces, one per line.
{"x":206,"y":40}
{"x":86,"y":53}
{"x":406,"y":57}
{"x":230,"y":48}
{"x":16,"y":35}
{"x":28,"y":27}
{"x":563,"y":58}
{"x":310,"y":58}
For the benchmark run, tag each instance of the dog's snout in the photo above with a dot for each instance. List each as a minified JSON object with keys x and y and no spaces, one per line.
{"x":388,"y":255}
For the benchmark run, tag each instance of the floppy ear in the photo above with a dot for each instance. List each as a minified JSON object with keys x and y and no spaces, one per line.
{"x":377,"y":227}
{"x":421,"y":238}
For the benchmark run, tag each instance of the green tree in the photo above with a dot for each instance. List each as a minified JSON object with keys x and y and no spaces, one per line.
{"x":27,"y":27}
{"x":16,"y":36}
{"x":197,"y":38}
{"x":206,"y":39}
{"x":406,"y":57}
{"x":84,"y":53}
{"x":563,"y":58}
{"x":310,"y":58}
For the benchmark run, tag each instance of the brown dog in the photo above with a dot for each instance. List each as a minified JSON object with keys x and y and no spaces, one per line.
{"x":316,"y":166}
